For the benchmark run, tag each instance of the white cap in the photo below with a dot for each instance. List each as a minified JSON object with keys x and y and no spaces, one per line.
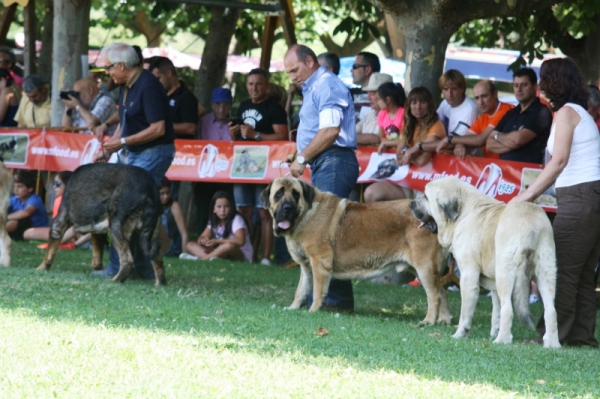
{"x":376,"y":80}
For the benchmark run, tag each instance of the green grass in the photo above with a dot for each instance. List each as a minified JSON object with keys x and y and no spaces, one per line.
{"x":219,"y":330}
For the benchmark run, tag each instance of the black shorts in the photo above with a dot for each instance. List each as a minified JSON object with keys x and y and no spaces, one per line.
{"x":23,"y":224}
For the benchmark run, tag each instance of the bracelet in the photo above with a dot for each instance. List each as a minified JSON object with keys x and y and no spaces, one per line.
{"x":420,"y":144}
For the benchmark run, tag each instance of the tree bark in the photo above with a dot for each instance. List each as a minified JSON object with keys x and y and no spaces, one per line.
{"x":44,"y":68}
{"x":147,"y":27}
{"x":586,"y":52}
{"x":214,"y":57}
{"x":70,"y":42}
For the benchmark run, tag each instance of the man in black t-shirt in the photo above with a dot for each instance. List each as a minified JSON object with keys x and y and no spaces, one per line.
{"x":522,"y":134}
{"x":262,"y":118}
{"x":364,"y":65}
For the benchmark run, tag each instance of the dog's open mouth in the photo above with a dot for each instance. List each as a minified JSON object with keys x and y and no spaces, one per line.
{"x":284,"y":224}
{"x":429,"y":224}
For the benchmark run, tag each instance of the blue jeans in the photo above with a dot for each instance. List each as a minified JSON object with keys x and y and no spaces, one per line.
{"x":157,"y":161}
{"x":336,"y":171}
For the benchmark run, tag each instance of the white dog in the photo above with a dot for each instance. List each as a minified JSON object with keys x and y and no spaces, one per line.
{"x":496,"y":246}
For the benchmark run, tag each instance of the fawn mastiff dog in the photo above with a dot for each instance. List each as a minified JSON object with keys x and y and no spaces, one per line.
{"x":120,"y":199}
{"x":333,"y":237}
{"x":496,"y":246}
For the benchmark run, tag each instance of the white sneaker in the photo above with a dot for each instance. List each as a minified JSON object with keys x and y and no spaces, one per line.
{"x":186,"y":256}
{"x":265,"y":262}
{"x":533,"y":299}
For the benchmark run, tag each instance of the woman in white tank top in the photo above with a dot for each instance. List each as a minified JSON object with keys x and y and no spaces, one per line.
{"x":574,"y":144}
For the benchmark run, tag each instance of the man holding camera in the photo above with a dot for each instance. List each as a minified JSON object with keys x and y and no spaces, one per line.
{"x":85,"y":106}
{"x":260,"y":118}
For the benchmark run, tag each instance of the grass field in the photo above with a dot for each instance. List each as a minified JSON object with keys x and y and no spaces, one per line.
{"x":219,"y":329}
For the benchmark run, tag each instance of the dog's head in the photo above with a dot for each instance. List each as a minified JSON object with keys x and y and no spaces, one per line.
{"x":287,"y":199}
{"x":440,"y":207}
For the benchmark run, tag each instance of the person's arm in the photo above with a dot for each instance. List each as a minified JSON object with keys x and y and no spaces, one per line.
{"x":470,"y":140}
{"x":501,"y":143}
{"x":6,"y":94}
{"x":280,"y":133}
{"x":179,"y":220}
{"x":22,"y":214}
{"x":187,"y":114}
{"x":152,"y":132}
{"x":66,"y":119}
{"x":367,"y":139}
{"x":424,"y":156}
{"x":566,"y":121}
{"x":323,"y":140}
{"x":185,"y":129}
{"x":101,"y":129}
{"x":239,"y":238}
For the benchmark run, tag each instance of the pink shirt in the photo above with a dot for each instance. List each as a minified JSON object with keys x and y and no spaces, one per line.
{"x":238,"y":223}
{"x":391,"y":127}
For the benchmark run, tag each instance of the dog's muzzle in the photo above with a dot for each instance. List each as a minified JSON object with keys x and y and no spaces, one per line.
{"x":426,"y":220}
{"x":284,"y":217}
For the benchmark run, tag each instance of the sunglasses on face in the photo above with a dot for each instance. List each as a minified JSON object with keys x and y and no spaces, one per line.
{"x":356,"y":66}
{"x":58,"y":183}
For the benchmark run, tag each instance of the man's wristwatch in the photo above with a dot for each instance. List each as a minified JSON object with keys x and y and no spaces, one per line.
{"x":123,"y":142}
{"x":496,"y":136}
{"x":301,"y":160}
{"x":420,"y":144}
{"x":450,"y":137}
{"x":77,"y":107}
{"x":257,"y":137}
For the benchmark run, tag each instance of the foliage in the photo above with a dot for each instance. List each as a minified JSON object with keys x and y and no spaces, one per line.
{"x":532,"y":33}
{"x":219,"y":329}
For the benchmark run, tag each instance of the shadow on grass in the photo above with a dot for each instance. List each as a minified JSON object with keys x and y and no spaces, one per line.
{"x":243,"y":305}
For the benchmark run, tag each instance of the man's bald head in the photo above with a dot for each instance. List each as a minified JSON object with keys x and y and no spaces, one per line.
{"x":486,"y":96}
{"x":87,"y":89}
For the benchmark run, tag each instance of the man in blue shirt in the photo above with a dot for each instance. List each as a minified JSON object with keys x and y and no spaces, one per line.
{"x":326,"y":139}
{"x":145,"y":129}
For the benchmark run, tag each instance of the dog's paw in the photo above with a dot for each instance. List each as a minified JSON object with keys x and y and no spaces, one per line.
{"x":292,"y":307}
{"x":445,"y":320}
{"x":504,"y":340}
{"x":551,"y":342}
{"x":425,"y":322}
{"x":43,"y":267}
{"x":460,"y":334}
{"x":494,"y":332}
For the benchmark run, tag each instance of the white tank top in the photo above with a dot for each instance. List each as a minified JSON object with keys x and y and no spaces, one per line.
{"x":584,"y":160}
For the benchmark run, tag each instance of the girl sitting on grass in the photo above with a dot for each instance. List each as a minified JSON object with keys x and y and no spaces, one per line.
{"x":172,"y":220}
{"x":391,"y":99}
{"x":226,"y":235}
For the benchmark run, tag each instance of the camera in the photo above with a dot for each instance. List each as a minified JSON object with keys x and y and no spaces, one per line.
{"x":235,"y":121}
{"x":64,"y":95}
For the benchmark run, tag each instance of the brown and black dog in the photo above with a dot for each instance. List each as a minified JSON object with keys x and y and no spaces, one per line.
{"x":116,"y":199}
{"x":333,"y":237}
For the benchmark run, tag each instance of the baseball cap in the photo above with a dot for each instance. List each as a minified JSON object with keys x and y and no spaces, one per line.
{"x":376,"y":80}
{"x":221,"y":95}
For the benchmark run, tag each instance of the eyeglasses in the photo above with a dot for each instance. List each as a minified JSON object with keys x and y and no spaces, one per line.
{"x":58,"y":183}
{"x":107,"y":68}
{"x":356,"y":66}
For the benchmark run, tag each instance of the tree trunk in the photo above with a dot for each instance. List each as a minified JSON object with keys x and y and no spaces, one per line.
{"x":147,"y":27}
{"x":397,"y":41}
{"x":426,"y":45}
{"x":45,"y":59}
{"x":71,"y":31}
{"x":586,"y":52}
{"x":214,"y":57}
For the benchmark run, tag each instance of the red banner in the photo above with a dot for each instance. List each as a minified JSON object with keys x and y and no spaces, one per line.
{"x":240,"y":162}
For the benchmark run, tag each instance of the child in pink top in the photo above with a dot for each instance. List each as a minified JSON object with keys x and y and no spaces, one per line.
{"x":391,"y":98}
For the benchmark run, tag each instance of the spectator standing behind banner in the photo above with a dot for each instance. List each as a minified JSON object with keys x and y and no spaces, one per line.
{"x":89,"y":107}
{"x":492,"y":111}
{"x":35,"y":108}
{"x":10,"y":96}
{"x":326,"y":141}
{"x":574,"y":169}
{"x":457,"y":112}
{"x":212,"y":127}
{"x":145,"y":129}
{"x":364,"y":66}
{"x":522,"y":134}
{"x":391,"y":99}
{"x":261,"y":118}
{"x":367,"y":130}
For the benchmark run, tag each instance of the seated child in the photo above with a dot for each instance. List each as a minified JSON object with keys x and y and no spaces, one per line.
{"x":70,"y":239}
{"x":172,"y":220}
{"x":226,"y":235}
{"x":26,"y":208}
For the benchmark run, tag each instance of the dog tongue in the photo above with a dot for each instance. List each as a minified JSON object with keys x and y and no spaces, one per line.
{"x":284,"y":224}
{"x":422,"y":224}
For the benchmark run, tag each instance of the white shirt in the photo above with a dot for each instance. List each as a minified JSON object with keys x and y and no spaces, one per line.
{"x":584,"y":160}
{"x":457,"y":120}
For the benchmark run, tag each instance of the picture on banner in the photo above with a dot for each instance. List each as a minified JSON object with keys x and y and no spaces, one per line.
{"x":249,"y":162}
{"x":547,"y":198}
{"x":13,"y":148}
{"x":382,"y":167}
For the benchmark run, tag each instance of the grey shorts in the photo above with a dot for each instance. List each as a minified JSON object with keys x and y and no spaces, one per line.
{"x":246,"y":194}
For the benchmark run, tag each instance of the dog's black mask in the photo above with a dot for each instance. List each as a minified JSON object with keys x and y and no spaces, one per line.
{"x":286,"y":212}
{"x":426,"y":220}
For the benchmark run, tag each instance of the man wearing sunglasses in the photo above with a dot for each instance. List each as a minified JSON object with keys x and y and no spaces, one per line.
{"x":364,"y":65}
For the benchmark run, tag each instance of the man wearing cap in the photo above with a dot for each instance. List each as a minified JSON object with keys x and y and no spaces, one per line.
{"x":212,"y":127}
{"x":367,"y":131}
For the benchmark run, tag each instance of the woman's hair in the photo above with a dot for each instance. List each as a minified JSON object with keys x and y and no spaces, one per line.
{"x":214,"y":219}
{"x":65,"y":176}
{"x":562,"y":82}
{"x":5,"y":74}
{"x":395,"y":91}
{"x":411,"y":122}
{"x":166,"y":183}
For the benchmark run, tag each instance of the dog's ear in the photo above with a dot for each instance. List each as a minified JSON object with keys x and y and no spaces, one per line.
{"x":450,"y":208}
{"x":308,"y":192}
{"x":264,"y":197}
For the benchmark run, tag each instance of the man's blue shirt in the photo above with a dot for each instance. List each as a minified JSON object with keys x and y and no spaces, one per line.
{"x":324,"y":90}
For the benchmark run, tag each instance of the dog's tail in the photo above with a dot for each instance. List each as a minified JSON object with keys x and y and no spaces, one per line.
{"x":521,"y":291}
{"x":149,"y":241}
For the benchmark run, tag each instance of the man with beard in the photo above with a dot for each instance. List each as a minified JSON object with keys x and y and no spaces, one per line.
{"x":35,"y":109}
